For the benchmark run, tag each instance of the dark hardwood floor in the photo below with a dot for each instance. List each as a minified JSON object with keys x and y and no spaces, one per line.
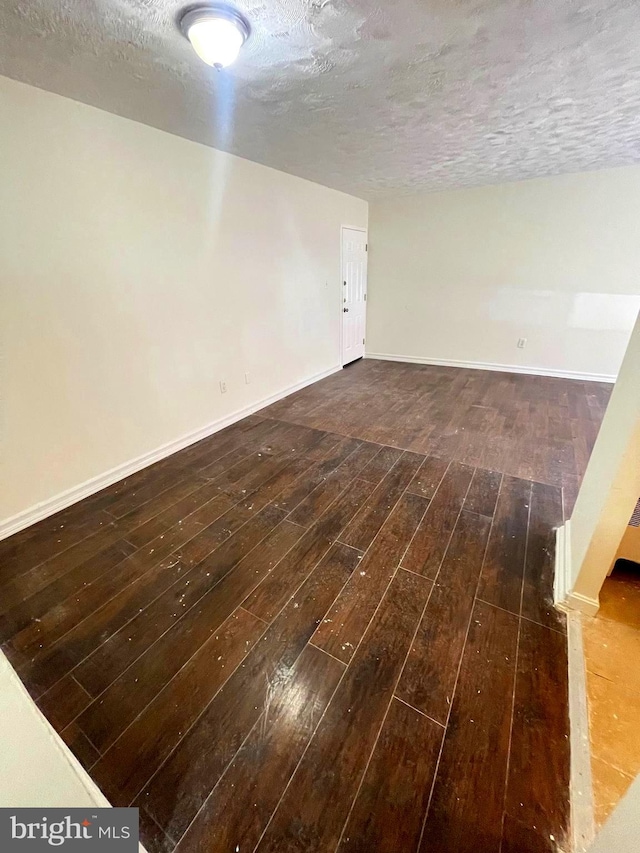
{"x":328,"y":627}
{"x":532,"y":427}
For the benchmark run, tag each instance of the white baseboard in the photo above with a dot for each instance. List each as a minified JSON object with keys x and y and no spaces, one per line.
{"x":54,"y":504}
{"x":501,"y":368}
{"x":562,"y":576}
{"x":586,"y":605}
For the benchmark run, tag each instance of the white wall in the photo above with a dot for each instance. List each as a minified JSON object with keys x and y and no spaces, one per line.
{"x":461,"y":275}
{"x":609,"y":490}
{"x":620,"y":832}
{"x":138,"y":269}
{"x":37,"y":767}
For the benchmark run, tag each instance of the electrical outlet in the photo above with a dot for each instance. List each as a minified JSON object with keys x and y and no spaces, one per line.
{"x":522,"y":342}
{"x":247,"y":378}
{"x":223,"y":386}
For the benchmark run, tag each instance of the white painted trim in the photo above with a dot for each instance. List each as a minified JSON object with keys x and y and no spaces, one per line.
{"x":501,"y":368}
{"x":54,"y":504}
{"x":563,"y":596}
{"x":586,"y":605}
{"x":581,"y":796}
{"x":562,"y":576}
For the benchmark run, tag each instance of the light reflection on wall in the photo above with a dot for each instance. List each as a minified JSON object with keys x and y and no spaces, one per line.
{"x":614,"y":312}
{"x":223,"y":114}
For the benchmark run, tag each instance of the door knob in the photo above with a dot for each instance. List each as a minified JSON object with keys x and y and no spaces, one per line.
{"x":346,"y":310}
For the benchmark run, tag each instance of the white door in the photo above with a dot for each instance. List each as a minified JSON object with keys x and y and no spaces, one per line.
{"x":354,"y":293}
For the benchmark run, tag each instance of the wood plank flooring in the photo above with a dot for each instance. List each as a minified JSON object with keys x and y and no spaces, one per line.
{"x":533,"y":427}
{"x":326,"y":628}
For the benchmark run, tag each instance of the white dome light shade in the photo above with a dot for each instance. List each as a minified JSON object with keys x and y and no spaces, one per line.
{"x":216,"y":33}
{"x":217,"y":42}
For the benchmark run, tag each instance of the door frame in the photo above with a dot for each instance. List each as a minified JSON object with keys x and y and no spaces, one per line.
{"x":364,"y":231}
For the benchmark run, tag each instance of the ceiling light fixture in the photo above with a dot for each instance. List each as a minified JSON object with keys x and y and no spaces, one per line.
{"x":216,"y":32}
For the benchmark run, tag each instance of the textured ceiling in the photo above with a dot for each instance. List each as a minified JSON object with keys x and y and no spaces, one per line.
{"x":371,"y":98}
